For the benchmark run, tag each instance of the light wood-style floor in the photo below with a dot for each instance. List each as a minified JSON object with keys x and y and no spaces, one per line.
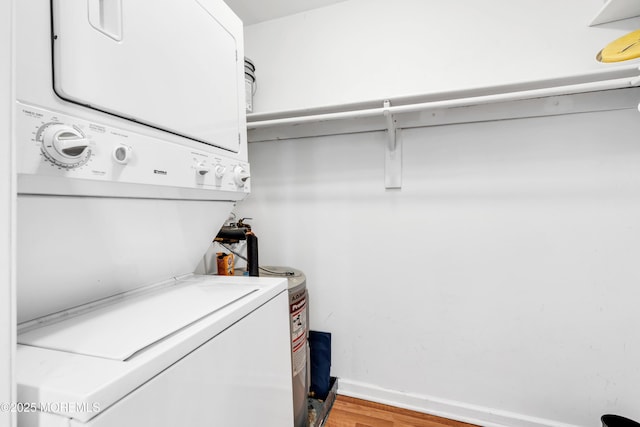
{"x":351,"y":412}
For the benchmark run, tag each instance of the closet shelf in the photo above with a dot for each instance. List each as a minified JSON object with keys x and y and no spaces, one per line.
{"x":528,"y":99}
{"x":612,"y":89}
{"x":615,"y":10}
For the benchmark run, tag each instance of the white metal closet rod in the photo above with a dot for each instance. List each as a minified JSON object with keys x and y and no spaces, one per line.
{"x":459,"y":102}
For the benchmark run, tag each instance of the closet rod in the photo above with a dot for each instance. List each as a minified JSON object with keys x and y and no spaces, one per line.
{"x":619,"y":83}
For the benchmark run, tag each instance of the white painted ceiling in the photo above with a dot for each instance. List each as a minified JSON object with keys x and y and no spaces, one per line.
{"x":252,"y":11}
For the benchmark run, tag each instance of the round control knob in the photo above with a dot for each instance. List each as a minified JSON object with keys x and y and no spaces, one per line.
{"x":64,"y":145}
{"x":202,"y":169}
{"x":240,"y":176}
{"x":122,"y":154}
{"x":219,"y":170}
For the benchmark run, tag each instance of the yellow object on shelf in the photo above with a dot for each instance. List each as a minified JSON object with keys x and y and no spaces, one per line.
{"x":623,"y":49}
{"x":225,"y":264}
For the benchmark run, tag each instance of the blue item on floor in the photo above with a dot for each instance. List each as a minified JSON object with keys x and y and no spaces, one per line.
{"x":320,"y":346}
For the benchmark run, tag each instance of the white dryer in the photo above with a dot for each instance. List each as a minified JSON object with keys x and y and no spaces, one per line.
{"x":131,"y":152}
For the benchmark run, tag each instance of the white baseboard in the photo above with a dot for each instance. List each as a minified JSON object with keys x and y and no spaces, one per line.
{"x":460,"y":411}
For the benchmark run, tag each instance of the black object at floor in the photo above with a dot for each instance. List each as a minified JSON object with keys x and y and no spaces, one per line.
{"x":617,"y":421}
{"x":319,"y":409}
{"x":320,"y":349}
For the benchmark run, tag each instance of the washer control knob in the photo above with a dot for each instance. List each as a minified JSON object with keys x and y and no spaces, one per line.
{"x":220,"y":170}
{"x":64,"y":145}
{"x":240,"y":176}
{"x":122,"y":154}
{"x":202,"y":169}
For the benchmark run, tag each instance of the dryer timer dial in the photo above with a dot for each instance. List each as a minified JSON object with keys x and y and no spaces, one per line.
{"x":64,"y":145}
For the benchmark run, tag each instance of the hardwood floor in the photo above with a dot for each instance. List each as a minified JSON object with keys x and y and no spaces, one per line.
{"x":351,"y":412}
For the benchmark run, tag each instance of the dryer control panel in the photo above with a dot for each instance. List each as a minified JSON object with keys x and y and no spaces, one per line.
{"x":57,"y":154}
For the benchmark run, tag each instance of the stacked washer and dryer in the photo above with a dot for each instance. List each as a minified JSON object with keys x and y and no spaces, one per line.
{"x":131,"y":151}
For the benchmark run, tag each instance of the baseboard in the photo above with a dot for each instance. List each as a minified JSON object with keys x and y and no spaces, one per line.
{"x":459,"y":411}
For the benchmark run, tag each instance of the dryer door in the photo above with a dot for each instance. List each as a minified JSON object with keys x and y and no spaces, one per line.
{"x":172,"y":65}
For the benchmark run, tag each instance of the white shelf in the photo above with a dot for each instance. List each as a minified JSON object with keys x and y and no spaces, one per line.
{"x":615,"y":10}
{"x":538,"y":98}
{"x":613,"y":89}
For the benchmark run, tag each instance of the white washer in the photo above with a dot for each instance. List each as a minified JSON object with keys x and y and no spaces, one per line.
{"x":196,"y":352}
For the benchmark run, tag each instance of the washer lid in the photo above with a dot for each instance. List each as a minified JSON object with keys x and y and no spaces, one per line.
{"x":121,"y":329}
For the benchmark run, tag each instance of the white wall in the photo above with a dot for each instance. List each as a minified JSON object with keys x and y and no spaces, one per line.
{"x":7,"y":319}
{"x":500,"y":284}
{"x":361,"y":50}
{"x":503,"y":275}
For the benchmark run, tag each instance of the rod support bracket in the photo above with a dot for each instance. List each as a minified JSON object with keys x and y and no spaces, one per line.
{"x":393,"y":151}
{"x":391,"y":126}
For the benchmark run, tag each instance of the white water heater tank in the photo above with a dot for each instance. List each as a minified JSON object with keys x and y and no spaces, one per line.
{"x":298,"y":310}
